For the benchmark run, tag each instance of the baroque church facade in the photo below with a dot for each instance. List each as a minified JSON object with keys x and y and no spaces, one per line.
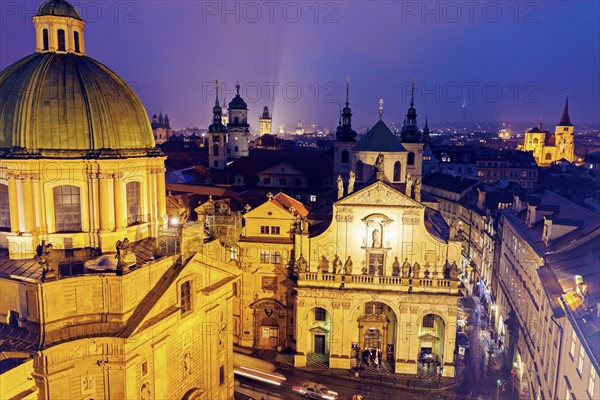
{"x":100,"y":296}
{"x":548,"y":147}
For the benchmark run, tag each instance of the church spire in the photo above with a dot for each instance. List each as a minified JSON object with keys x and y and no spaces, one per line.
{"x":344,"y":132}
{"x":565,"y":120}
{"x":410,"y":133}
{"x":217,"y":125}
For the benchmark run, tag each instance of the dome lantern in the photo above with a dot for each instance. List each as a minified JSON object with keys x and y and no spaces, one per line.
{"x":58,"y":28}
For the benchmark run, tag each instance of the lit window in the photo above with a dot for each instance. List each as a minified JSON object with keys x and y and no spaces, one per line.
{"x":373,"y":307}
{"x":186,"y":297}
{"x":133,"y":203}
{"x":276,"y":257}
{"x":264,"y":256}
{"x":233,"y":253}
{"x":573,"y":341}
{"x":76,"y":41}
{"x":320,"y":314}
{"x":67,"y":209}
{"x":4,"y":208}
{"x":313,"y":198}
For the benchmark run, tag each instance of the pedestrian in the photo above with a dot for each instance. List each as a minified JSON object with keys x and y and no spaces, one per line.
{"x":376,"y":362}
{"x":380,"y":358}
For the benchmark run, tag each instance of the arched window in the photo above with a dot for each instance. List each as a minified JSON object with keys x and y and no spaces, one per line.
{"x":345,"y":157}
{"x":45,"y":38}
{"x":535,"y":141}
{"x":236,"y":121}
{"x":134,"y":212}
{"x":4,"y":208}
{"x":215,"y":150}
{"x":397,"y":171}
{"x":411,"y":158}
{"x":67,"y":209}
{"x":61,"y":40}
{"x":359,"y":170}
{"x":76,"y":41}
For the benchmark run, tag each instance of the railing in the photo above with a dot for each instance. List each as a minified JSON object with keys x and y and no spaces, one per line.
{"x":377,"y":282}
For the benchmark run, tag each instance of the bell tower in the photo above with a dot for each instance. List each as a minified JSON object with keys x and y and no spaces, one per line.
{"x":343,"y":157}
{"x":265,"y":122}
{"x":59,"y":29}
{"x":217,"y":137}
{"x":565,"y":145}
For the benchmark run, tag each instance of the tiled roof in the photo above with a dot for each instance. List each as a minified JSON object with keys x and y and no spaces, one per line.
{"x":449,"y":183}
{"x":287,"y":202}
{"x":379,"y":139}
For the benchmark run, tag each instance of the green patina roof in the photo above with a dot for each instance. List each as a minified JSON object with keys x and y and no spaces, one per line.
{"x":59,"y":8}
{"x":64,"y":102}
{"x":379,"y":138}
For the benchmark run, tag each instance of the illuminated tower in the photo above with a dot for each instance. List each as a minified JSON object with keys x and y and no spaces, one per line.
{"x":412,"y":140}
{"x":217,"y":137}
{"x":265,"y":121}
{"x":343,"y":158}
{"x":237,"y":127}
{"x":565,"y":146}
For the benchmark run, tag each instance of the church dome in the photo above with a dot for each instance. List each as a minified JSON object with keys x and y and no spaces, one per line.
{"x":68,"y":105}
{"x":58,"y":8}
{"x":237,"y":103}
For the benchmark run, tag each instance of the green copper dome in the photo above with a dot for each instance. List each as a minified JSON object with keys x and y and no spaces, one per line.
{"x":59,"y":8}
{"x":65,"y":106}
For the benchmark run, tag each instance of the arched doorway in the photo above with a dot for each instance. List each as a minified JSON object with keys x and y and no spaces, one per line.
{"x":269,"y":333}
{"x":377,"y":325}
{"x":432,"y":330}
{"x":270,"y":318}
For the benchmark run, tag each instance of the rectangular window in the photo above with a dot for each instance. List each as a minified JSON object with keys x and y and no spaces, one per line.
{"x":320,"y":314}
{"x":264,"y":256}
{"x":374,"y":307}
{"x":144,"y":368}
{"x":282,"y":181}
{"x":4,"y":208}
{"x":267,"y":181}
{"x":580,"y":363}
{"x":61,"y":40}
{"x":275,"y":230}
{"x":264,"y":230}
{"x":276,"y":257}
{"x":67,"y":209}
{"x":186,"y":297}
{"x":375,"y":262}
{"x":269,"y":283}
{"x":233,"y":253}
{"x":132,"y":190}
{"x":222,"y":375}
{"x":573,"y":342}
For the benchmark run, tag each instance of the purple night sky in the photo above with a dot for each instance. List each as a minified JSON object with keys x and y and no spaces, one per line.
{"x":512,"y":61}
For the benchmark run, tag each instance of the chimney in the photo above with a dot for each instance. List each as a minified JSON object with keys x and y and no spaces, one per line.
{"x":531,"y":215}
{"x":547,"y":233}
{"x":481,"y":199}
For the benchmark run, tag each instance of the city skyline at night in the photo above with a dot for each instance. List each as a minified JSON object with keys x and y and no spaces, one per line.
{"x":508,"y":61}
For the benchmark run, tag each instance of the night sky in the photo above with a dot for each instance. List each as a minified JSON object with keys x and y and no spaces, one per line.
{"x":510,"y":61}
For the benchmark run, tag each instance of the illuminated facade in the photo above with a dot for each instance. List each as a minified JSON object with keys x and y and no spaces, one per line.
{"x":383,"y":275}
{"x":548,"y":148}
{"x":100,"y":295}
{"x":265,"y":122}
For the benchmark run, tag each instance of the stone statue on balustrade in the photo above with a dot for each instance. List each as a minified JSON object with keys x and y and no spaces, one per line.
{"x":123,"y":257}
{"x":302,"y":264}
{"x":406,"y":269}
{"x":416,"y":270}
{"x":337,"y":265}
{"x":43,"y":256}
{"x":453,"y":271}
{"x":324,"y":265}
{"x":396,"y":267}
{"x":348,"y":266}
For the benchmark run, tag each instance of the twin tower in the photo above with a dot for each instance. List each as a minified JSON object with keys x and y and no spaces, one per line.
{"x":228,"y":135}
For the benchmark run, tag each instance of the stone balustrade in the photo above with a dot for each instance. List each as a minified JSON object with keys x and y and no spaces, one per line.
{"x":372,"y":282}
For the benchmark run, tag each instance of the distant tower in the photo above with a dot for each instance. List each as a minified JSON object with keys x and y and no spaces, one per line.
{"x":463,"y":112}
{"x":565,"y":146}
{"x":237,"y":127}
{"x":225,"y":115}
{"x":299,"y":128}
{"x":161,"y":128}
{"x":265,"y":122}
{"x":412,"y":140}
{"x":217,"y":137}
{"x":343,"y":157}
{"x":426,"y":131}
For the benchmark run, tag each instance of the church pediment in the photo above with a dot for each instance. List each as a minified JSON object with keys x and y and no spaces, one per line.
{"x":379,"y":194}
{"x":319,"y":330}
{"x":373,"y":318}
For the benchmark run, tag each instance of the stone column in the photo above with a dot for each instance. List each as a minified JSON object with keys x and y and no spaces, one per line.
{"x":13,"y":201}
{"x":120,"y":205}
{"x":28,"y":203}
{"x":104,"y":202}
{"x":161,"y":194}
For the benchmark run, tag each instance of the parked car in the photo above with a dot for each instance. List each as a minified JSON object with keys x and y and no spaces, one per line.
{"x":312,"y":390}
{"x":463,"y":340}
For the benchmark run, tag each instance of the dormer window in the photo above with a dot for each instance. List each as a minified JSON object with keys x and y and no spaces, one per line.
{"x":61,"y":40}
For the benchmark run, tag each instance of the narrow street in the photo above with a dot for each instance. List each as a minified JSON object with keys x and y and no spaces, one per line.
{"x":482,"y":363}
